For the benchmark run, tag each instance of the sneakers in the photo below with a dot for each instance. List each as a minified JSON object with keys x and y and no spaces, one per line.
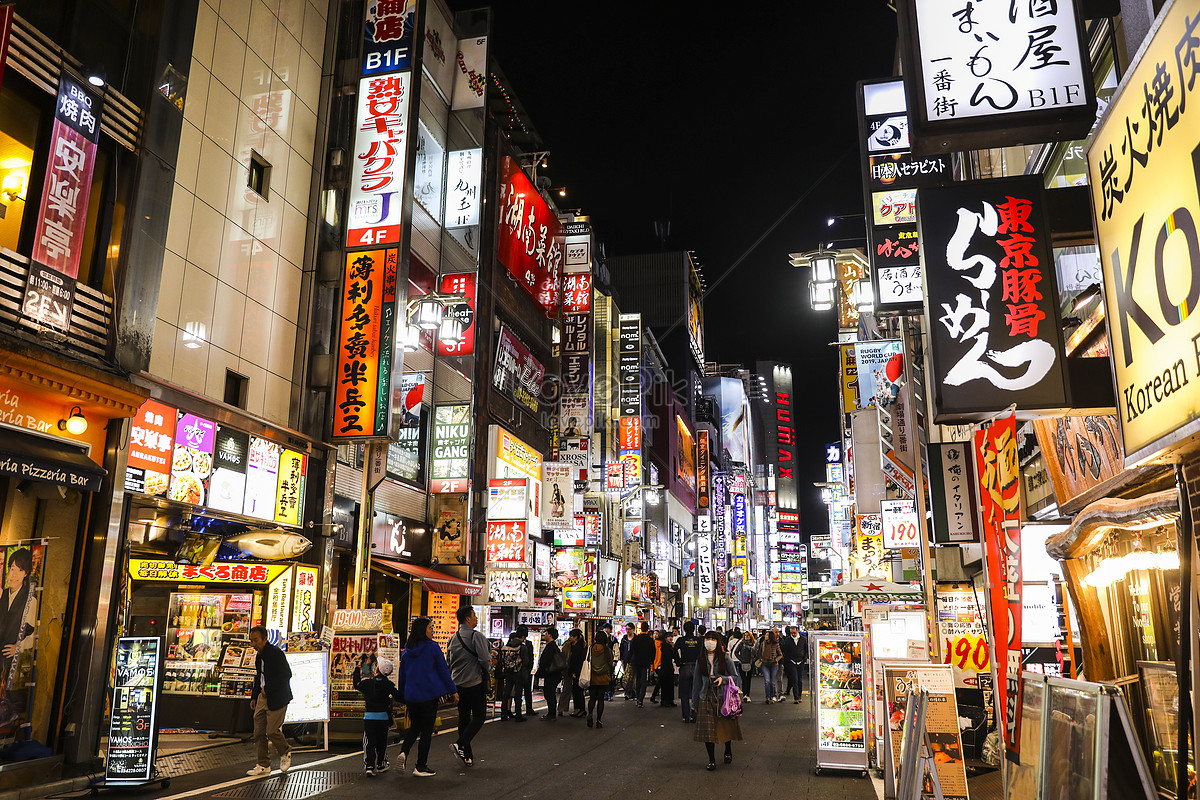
{"x":458,"y":753}
{"x":599,"y":724}
{"x":424,"y":772}
{"x":259,"y":769}
{"x":370,"y":772}
{"x":384,"y":768}
{"x":400,"y":762}
{"x":285,"y":762}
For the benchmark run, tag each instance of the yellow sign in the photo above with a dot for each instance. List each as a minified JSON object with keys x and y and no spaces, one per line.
{"x":514,"y":458}
{"x":849,"y":379}
{"x":157,"y":569}
{"x":1143,"y":170}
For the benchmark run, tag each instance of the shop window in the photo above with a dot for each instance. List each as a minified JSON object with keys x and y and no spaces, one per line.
{"x":19,"y":123}
{"x":237,"y":388}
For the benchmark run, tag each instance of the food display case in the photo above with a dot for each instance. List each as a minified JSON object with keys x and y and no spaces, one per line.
{"x":203,"y":642}
{"x":841,"y":718}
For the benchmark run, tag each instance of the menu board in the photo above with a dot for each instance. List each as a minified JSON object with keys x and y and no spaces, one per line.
{"x":1161,"y":688}
{"x":443,"y":610}
{"x":900,"y":683}
{"x":262,"y":478}
{"x":131,"y":727}
{"x":841,"y":719}
{"x":237,"y":664}
{"x":310,"y":688}
{"x":192,"y":459}
{"x":227,"y":486}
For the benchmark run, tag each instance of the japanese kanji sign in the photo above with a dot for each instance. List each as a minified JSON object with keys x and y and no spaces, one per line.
{"x":1143,"y":176}
{"x":388,"y":35}
{"x":1081,"y":453}
{"x":991,"y":299}
{"x":999,"y":474}
{"x":464,"y":172}
{"x":462,"y":284}
{"x":629,"y":375}
{"x":377,"y":184}
{"x":62,"y":216}
{"x":506,"y":542}
{"x":150,"y":569}
{"x":952,"y":489}
{"x":703,"y":486}
{"x":529,"y":238}
{"x":987,"y":74}
{"x":362,"y":383}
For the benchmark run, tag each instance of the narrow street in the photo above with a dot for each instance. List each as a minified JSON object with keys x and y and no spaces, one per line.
{"x":646,"y":752}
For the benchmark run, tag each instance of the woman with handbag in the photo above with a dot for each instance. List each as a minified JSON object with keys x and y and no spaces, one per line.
{"x":769,"y":653}
{"x":714,"y":672}
{"x":550,"y":669}
{"x":597,"y":672}
{"x":423,"y":679}
{"x":743,"y":653}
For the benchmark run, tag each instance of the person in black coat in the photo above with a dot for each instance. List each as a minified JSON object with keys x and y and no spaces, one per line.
{"x":550,"y":670}
{"x":576,"y":653}
{"x":269,"y":701}
{"x":641,"y":651}
{"x":378,"y":692}
{"x":13,"y":627}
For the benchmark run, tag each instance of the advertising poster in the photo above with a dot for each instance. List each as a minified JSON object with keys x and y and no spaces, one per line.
{"x":878,"y":365}
{"x":841,"y":717}
{"x":941,"y":725}
{"x":151,"y":448}
{"x":685,"y":454}
{"x":508,"y":498}
{"x":964,"y":642}
{"x":574,"y":577}
{"x":348,"y":649}
{"x":449,"y":516}
{"x":405,"y":457}
{"x":574,"y":416}
{"x":577,"y":454}
{"x":310,"y":687}
{"x":901,"y":525}
{"x":191,"y":464}
{"x":20,"y":610}
{"x":362,"y":391}
{"x":131,"y":727}
{"x":509,"y":587}
{"x":557,"y":496}
{"x":449,"y":465}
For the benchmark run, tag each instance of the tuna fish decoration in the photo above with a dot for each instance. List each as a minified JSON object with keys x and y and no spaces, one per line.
{"x":269,"y":545}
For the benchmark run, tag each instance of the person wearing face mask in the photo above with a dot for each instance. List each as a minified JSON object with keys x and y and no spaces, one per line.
{"x":714,"y":670}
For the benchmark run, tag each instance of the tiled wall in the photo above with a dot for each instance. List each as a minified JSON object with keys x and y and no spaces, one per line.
{"x":231,"y":279}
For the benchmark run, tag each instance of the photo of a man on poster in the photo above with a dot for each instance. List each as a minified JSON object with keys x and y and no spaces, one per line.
{"x":13,"y":624}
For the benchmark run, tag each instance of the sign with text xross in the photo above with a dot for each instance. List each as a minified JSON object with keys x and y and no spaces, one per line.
{"x":991,"y":299}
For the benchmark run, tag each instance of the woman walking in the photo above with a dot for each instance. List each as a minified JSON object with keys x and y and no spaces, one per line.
{"x":743,"y":653}
{"x":715,"y":670}
{"x":769,"y":652}
{"x":424,"y":679}
{"x":601,"y":656}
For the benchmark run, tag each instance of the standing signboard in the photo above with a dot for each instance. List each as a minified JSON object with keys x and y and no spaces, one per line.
{"x":132,"y":732}
{"x":841,"y":716}
{"x":941,"y":738}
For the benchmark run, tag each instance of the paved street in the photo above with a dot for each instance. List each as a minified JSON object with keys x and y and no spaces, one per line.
{"x":638,"y":752}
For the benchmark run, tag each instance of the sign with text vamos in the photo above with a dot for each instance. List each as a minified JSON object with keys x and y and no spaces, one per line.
{"x":1142,"y":174}
{"x":131,"y":728}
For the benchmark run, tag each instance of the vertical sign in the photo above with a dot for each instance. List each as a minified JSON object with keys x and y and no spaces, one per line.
{"x":952,"y":488}
{"x":151,"y":448}
{"x":388,"y":36}
{"x":377,"y":185}
{"x":470,"y":78}
{"x":992,"y":299}
{"x":629,"y":378}
{"x":529,"y":238}
{"x":62,"y":217}
{"x":131,"y":728}
{"x":705,"y":578}
{"x":463,"y":285}
{"x":999,"y":472}
{"x":785,"y":437}
{"x":450,"y":463}
{"x":464,"y":173}
{"x":703,"y":489}
{"x":289,"y":498}
{"x":362,"y":393}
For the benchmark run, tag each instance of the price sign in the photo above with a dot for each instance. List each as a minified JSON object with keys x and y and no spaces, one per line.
{"x":968,"y":653}
{"x":900,"y":524}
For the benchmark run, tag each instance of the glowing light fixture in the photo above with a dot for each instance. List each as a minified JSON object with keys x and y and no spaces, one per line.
{"x":429,"y":314}
{"x":75,"y":423}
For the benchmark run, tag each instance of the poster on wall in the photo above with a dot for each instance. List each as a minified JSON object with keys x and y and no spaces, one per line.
{"x":878,"y":365}
{"x":558,"y":507}
{"x":131,"y":726}
{"x":449,"y":518}
{"x":20,"y":609}
{"x":509,"y":587}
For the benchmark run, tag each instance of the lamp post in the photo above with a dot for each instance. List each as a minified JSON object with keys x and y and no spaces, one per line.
{"x":829,"y":283}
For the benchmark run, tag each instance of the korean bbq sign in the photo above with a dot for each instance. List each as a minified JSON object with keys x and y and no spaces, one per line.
{"x":362,"y":384}
{"x":992,"y":298}
{"x":530,"y":238}
{"x":1143,"y":168}
{"x":62,"y":217}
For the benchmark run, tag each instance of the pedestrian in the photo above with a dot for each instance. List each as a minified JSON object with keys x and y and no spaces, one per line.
{"x":377,"y":690}
{"x":666,"y":669}
{"x":576,"y":651}
{"x":471,"y":669}
{"x":424,"y":678}
{"x":601,"y":655}
{"x":767,"y":657}
{"x":795,"y":655}
{"x":550,"y":669}
{"x":628,"y":673}
{"x":715,"y":670}
{"x":527,"y":662}
{"x":743,"y":653}
{"x":512,"y":666}
{"x":641,"y":651}
{"x":687,"y":651}
{"x":657,"y":635}
{"x":269,"y":698}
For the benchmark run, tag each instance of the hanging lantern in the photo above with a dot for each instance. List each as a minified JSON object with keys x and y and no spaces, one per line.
{"x":824,"y":266}
{"x":428,"y":314}
{"x":451,"y":330}
{"x":821,"y":295}
{"x":864,"y":297}
{"x":412,"y":338}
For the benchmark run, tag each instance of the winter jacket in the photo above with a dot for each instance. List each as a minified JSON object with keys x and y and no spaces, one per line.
{"x":377,"y":691}
{"x":546,"y":661}
{"x":470,"y":657}
{"x":642,"y":650}
{"x":602,"y":663}
{"x":770,"y":653}
{"x":424,"y":674}
{"x":575,"y":654}
{"x":271,"y":666}
{"x":743,"y":651}
{"x":703,"y":682}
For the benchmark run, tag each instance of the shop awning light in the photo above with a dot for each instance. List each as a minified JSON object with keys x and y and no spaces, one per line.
{"x":428,"y":314}
{"x":1111,"y":570}
{"x":75,"y":423}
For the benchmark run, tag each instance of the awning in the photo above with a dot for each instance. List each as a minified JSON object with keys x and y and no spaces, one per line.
{"x":437,"y":581}
{"x":39,"y":458}
{"x":1093,"y":523}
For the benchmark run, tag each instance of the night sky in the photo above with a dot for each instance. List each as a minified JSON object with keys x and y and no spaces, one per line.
{"x":719,"y":123}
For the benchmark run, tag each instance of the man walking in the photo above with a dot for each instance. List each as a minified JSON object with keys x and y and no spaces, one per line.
{"x":269,"y":700}
{"x":625,"y":655}
{"x":641,"y":651}
{"x":687,"y":650}
{"x":666,"y":670}
{"x":795,"y":661}
{"x":470,"y":668}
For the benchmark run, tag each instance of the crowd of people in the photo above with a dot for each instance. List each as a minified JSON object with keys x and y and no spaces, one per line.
{"x":689,"y":669}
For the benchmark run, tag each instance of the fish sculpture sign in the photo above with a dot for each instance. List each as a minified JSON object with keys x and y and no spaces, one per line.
{"x":272,"y":545}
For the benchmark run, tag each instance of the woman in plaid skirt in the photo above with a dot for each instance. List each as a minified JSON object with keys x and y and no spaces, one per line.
{"x":714,"y":670}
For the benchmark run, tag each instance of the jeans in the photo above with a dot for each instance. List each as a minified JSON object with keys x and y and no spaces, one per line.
{"x":795,"y":673}
{"x":643,"y":678}
{"x":472,"y":712}
{"x":268,"y":726}
{"x":687,"y":679}
{"x":375,"y":736}
{"x":770,"y":677}
{"x":747,"y":671}
{"x":421,"y":717}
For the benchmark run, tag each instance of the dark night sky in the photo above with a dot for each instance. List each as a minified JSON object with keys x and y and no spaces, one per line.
{"x":717,"y":118}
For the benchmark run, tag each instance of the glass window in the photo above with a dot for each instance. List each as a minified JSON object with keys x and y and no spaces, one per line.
{"x":19,"y":121}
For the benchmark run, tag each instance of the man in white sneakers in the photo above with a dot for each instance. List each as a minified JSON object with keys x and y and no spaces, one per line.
{"x":269,"y":701}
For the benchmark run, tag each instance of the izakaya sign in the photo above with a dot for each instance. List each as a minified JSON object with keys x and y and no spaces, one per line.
{"x":530,"y":238}
{"x":992,"y":299}
{"x":1143,"y":178}
{"x":62,"y":217}
{"x":362,"y":384}
{"x":995,"y":74}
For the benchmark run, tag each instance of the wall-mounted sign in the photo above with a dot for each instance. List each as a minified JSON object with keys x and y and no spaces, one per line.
{"x":464,"y":171}
{"x":507,"y":542}
{"x":289,"y":494}
{"x":518,"y":373}
{"x":151,"y":449}
{"x":429,"y":169}
{"x":508,"y":498}
{"x":576,"y":353}
{"x":470,"y":79}
{"x":877,"y":366}
{"x":685,"y":454}
{"x":511,"y":457}
{"x":509,"y":587}
{"x":952,"y":489}
{"x":462,"y":284}
{"x":530,"y":239}
{"x":406,"y":457}
{"x":49,"y":294}
{"x":703,"y":487}
{"x":993,"y":75}
{"x":375,"y":215}
{"x":262,"y":478}
{"x":1081,"y":452}
{"x":450,"y":461}
{"x":706,"y":583}
{"x":152,"y":569}
{"x":992,"y":301}
{"x":401,"y":539}
{"x":388,"y":36}
{"x":449,"y":515}
{"x":362,"y":383}
{"x":607,"y":586}
{"x":558,"y":491}
{"x":541,"y":562}
{"x":901,"y":525}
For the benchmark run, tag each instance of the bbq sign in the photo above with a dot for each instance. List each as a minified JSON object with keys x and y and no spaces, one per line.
{"x":1143,"y":173}
{"x":991,"y":299}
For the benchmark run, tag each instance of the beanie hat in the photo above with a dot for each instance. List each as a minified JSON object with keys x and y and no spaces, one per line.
{"x":384,"y":667}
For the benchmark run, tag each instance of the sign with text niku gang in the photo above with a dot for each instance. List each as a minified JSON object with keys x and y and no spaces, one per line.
{"x":1144,"y":177}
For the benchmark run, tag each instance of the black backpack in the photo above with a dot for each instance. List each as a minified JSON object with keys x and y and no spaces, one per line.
{"x":510,"y":657}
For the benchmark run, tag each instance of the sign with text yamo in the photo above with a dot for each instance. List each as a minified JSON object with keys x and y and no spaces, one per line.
{"x":991,"y":299}
{"x":362,"y":383}
{"x":507,"y":542}
{"x":463,"y":285}
{"x":901,"y":525}
{"x":995,"y":74}
{"x":62,"y":216}
{"x":375,"y":215}
{"x":529,"y":238}
{"x":449,"y":464}
{"x":1143,"y":177}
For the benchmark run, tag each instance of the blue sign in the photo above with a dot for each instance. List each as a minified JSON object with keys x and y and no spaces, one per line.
{"x":833,"y":453}
{"x":739,"y":515}
{"x":388,"y":34}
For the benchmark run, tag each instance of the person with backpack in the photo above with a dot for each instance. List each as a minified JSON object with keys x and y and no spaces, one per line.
{"x":377,"y":691}
{"x":601,"y":661}
{"x":688,"y":649}
{"x":576,"y":651}
{"x":713,"y":672}
{"x":471,"y":670}
{"x":424,"y":679}
{"x":767,"y":655}
{"x":512,"y":667}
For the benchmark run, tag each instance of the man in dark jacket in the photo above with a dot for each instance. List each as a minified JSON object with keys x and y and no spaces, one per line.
{"x":688,"y":649}
{"x":13,"y":627}
{"x":641,"y":651}
{"x":377,"y":691}
{"x":269,"y":701}
{"x":550,"y":670}
{"x":794,"y":647}
{"x":528,"y":660}
{"x":576,"y":652}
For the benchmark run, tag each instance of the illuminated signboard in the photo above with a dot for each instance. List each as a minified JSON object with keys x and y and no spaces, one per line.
{"x":530,"y":238}
{"x":450,"y":461}
{"x":366,"y":334}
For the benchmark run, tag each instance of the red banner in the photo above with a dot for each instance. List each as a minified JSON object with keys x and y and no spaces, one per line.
{"x":1000,"y":495}
{"x":460,"y":283}
{"x":530,"y":238}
